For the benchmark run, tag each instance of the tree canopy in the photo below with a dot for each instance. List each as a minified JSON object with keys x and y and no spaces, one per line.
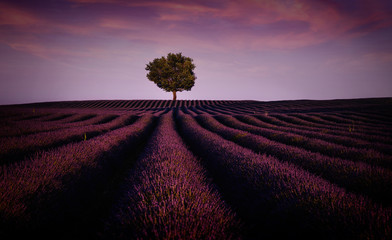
{"x":173,"y":73}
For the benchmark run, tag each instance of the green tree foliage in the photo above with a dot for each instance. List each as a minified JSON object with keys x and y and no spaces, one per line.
{"x":173,"y":73}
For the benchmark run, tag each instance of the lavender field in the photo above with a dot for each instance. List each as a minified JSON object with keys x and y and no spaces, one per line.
{"x":156,"y":169}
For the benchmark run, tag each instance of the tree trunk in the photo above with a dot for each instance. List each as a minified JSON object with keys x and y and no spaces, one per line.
{"x":174,"y":95}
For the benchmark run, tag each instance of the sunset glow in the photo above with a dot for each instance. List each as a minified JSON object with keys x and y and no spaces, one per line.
{"x":242,"y":49}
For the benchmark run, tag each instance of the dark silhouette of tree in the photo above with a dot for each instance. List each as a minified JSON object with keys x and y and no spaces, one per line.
{"x":173,"y":73}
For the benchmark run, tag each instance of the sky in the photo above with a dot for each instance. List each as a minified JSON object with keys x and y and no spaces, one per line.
{"x":60,"y":50}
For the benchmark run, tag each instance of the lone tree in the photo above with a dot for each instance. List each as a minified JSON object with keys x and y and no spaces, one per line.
{"x":173,"y":73}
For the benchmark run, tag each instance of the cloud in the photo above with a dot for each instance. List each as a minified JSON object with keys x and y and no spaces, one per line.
{"x":16,"y":17}
{"x":267,"y":24}
{"x":210,"y":25}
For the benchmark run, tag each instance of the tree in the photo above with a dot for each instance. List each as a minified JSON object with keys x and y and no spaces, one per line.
{"x":173,"y":73}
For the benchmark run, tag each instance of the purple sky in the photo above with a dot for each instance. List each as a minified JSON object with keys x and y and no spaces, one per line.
{"x":55,"y":50}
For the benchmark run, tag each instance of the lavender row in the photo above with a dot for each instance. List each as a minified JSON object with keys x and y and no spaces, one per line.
{"x":7,"y":123}
{"x":27,"y":127}
{"x":238,"y":109}
{"x":354,"y":130}
{"x":301,"y":123}
{"x":313,"y":144}
{"x":219,"y":110}
{"x":188,"y":111}
{"x":333,"y":118}
{"x":55,"y":187}
{"x":16,"y":148}
{"x":370,"y":117}
{"x":21,"y":114}
{"x":167,"y":195}
{"x":368,"y":128}
{"x":344,"y":140}
{"x":365,"y":118}
{"x":57,"y":117}
{"x":278,"y":198}
{"x":65,"y":117}
{"x":374,"y":182}
{"x":351,"y":129}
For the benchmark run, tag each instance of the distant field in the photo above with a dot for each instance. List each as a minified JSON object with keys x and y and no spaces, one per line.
{"x":197,"y":169}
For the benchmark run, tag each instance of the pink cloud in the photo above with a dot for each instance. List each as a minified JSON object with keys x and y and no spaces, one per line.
{"x":237,"y":24}
{"x":234,"y":23}
{"x":16,"y":17}
{"x":325,"y":22}
{"x":29,"y":22}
